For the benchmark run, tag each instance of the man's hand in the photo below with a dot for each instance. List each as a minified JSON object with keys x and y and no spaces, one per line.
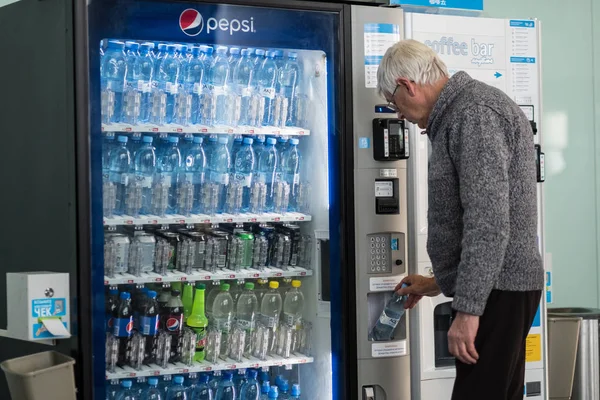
{"x":418,"y":286}
{"x":461,"y":338}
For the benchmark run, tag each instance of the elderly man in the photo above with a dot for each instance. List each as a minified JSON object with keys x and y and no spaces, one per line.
{"x":482,"y":216}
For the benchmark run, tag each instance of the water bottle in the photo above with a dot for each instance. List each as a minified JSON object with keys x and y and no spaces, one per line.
{"x":222,"y":315}
{"x":132,"y":97}
{"x":270,"y":310}
{"x":295,"y":394}
{"x":203,"y":390}
{"x":226,"y":389}
{"x":246,"y":313}
{"x":207,"y":57}
{"x":152,"y":392}
{"x":259,"y":57}
{"x":273,"y":393}
{"x":163,"y":98}
{"x":127,"y":392}
{"x":191,"y":179}
{"x":284,"y":388}
{"x":219,"y":164}
{"x":177,"y":391}
{"x":279,"y":58}
{"x":165,"y":193}
{"x":251,"y":389}
{"x":281,"y":146}
{"x":139,"y":190}
{"x":389,"y":318}
{"x":108,"y":189}
{"x":243,"y":169}
{"x":243,"y":83}
{"x":161,"y":50}
{"x":214,"y":382}
{"x":219,"y":80}
{"x":114,"y":68}
{"x":181,"y":52}
{"x":266,"y":81}
{"x":258,"y":146}
{"x":264,"y":390}
{"x":267,"y":167}
{"x":144,"y":79}
{"x":189,"y":87}
{"x":195,"y":72}
{"x":290,"y":167}
{"x":240,"y":380}
{"x":235,"y":147}
{"x":289,"y":77}
{"x":120,"y":162}
{"x":293,"y":305}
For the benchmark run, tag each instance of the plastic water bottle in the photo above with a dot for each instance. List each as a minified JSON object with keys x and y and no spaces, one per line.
{"x":258,"y":146}
{"x":182,"y":52}
{"x":222,"y":313}
{"x":177,"y":391}
{"x":164,"y":97}
{"x":234,"y":57}
{"x":120,"y":162}
{"x":186,"y":144}
{"x":281,"y":146}
{"x":214,"y":382}
{"x":226,"y":390}
{"x":127,"y":392}
{"x":207,"y":57}
{"x":270,"y":310}
{"x":152,"y":392}
{"x":293,"y":305}
{"x":246,"y":313}
{"x":203,"y":390}
{"x":139,"y":195}
{"x":239,"y":380}
{"x":289,"y":77}
{"x":189,"y":88}
{"x":114,"y":67}
{"x":264,"y":390}
{"x":144,"y":79}
{"x":290,"y":167}
{"x":284,"y":388}
{"x":267,"y":167}
{"x":169,"y":163}
{"x":273,"y":393}
{"x":192,"y":179}
{"x":194,"y":77}
{"x":266,"y":80}
{"x":259,"y":57}
{"x":243,"y":168}
{"x":236,"y":146}
{"x":108,"y":189}
{"x":250,"y":390}
{"x":219,"y":164}
{"x":243,"y":83}
{"x":279,"y":58}
{"x":219,"y":81}
{"x":389,"y":318}
{"x":132,"y":97}
{"x":295,"y":393}
{"x":159,"y":54}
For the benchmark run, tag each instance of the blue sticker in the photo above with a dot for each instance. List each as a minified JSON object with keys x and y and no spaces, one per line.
{"x":40,"y":331}
{"x":523,"y":60}
{"x":522,"y":23}
{"x":548,"y":278}
{"x":382,"y":28}
{"x":537,"y":321}
{"x":394,"y":244}
{"x":363,"y":143}
{"x":41,"y":308}
{"x":549,"y":296}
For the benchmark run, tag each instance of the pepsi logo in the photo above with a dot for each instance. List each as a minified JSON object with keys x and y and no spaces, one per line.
{"x":172,"y":324}
{"x":111,"y":322}
{"x":191,"y":22}
{"x":129,"y":327}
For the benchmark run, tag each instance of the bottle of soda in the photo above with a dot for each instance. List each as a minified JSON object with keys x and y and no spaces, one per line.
{"x":172,"y":316}
{"x":162,"y":300}
{"x":198,"y":322}
{"x":187,"y":299}
{"x":123,"y":327}
{"x":149,"y":324}
{"x":112,"y":303}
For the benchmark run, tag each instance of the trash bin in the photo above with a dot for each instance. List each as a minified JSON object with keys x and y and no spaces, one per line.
{"x":563,"y":339}
{"x":41,"y":376}
{"x":587,"y":369}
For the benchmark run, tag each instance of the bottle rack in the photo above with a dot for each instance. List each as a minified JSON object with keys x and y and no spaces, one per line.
{"x":207,"y":130}
{"x":205,"y":219}
{"x":180,"y":368}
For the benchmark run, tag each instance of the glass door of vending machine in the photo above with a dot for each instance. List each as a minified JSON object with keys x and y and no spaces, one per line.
{"x":215,"y":181}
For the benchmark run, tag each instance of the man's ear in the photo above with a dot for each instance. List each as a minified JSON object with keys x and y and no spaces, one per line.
{"x":408,"y":85}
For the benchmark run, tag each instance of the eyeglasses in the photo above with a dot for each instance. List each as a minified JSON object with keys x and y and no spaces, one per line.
{"x":391,"y":104}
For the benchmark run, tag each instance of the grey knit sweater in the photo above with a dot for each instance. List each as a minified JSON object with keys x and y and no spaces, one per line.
{"x":482,"y":195}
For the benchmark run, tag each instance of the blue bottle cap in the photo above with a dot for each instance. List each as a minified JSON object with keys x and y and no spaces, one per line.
{"x":113,"y":291}
{"x":234,"y":50}
{"x":129,"y":43}
{"x":270,"y":54}
{"x":227,"y":375}
{"x":126,"y":383}
{"x":125,"y":295}
{"x":152,"y":294}
{"x":273,"y":392}
{"x":296,"y":390}
{"x":122,"y":139}
{"x":153,"y":381}
{"x":204,"y":378}
{"x":133,"y":46}
{"x":223,"y":140}
{"x":245,"y":53}
{"x":260,"y":52}
{"x":147,"y":139}
{"x":162,"y":46}
{"x":171,"y":48}
{"x":173,"y":139}
{"x":198,"y":140}
{"x":294,"y":142}
{"x":195,"y":51}
{"x":278,"y":380}
{"x":183,"y":48}
{"x":252,"y":374}
{"x":221,"y":50}
{"x":115,"y":44}
{"x":150,"y":45}
{"x":203,"y":48}
{"x":260,"y":139}
{"x":265,"y":387}
{"x":278,"y":53}
{"x":178,"y":380}
{"x":292,"y":55}
{"x":282,"y":139}
{"x":209,"y":50}
{"x":212,"y":139}
{"x":248,"y":140}
{"x":271,"y":141}
{"x":251,"y":50}
{"x":284,"y":386}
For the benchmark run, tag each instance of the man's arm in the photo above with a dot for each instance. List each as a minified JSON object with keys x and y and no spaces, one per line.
{"x":481,"y":154}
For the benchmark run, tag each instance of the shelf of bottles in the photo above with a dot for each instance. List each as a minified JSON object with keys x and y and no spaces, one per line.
{"x":206,"y":130}
{"x":124,"y":220}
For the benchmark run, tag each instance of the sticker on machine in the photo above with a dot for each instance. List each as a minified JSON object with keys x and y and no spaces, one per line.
{"x":392,"y":349}
{"x":384,"y":284}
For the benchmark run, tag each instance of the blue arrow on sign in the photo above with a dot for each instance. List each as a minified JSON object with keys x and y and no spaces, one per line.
{"x":497,"y":75}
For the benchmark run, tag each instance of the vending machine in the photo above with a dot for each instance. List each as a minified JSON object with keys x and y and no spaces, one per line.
{"x":507,"y":55}
{"x":217,"y":182}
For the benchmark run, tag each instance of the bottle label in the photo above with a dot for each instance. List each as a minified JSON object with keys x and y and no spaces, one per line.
{"x":222,"y":179}
{"x":268,"y":321}
{"x":290,"y":319}
{"x":143,"y":86}
{"x":171,"y":88}
{"x":149,"y":325}
{"x":123,"y":179}
{"x":385,"y":320}
{"x":243,"y":179}
{"x":174,"y":323}
{"x":245,"y":324}
{"x":123,"y":327}
{"x":165,"y":178}
{"x":296,"y":179}
{"x":197,"y":88}
{"x":246,"y":92}
{"x":200,"y":338}
{"x":267,"y":92}
{"x":143,"y":181}
{"x":224,"y":325}
{"x":218,"y":90}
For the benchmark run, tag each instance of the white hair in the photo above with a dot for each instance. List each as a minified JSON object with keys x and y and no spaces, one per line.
{"x":412,"y":60}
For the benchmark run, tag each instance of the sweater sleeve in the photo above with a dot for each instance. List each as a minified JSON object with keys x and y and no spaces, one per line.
{"x":480,"y":152}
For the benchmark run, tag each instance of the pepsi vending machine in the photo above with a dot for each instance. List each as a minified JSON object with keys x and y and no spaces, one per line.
{"x":192,"y":166}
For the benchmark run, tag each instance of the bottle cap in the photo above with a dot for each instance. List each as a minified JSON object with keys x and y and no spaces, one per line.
{"x":251,"y":50}
{"x":278,"y":53}
{"x":296,"y":390}
{"x":260,"y":52}
{"x":173,"y":139}
{"x":225,"y":287}
{"x":234,"y":50}
{"x":162,"y":46}
{"x":183,"y":48}
{"x":153,"y":381}
{"x":221,"y":50}
{"x":274,"y":285}
{"x":265,"y":387}
{"x":284,"y":386}
{"x":209,"y":50}
{"x":244,"y":52}
{"x":294,"y":142}
{"x":195,"y":51}
{"x":171,"y":48}
{"x":203,"y":48}
{"x":252,"y":373}
{"x":273,"y":392}
{"x":248,"y":140}
{"x":204,"y":378}
{"x":227,"y":375}
{"x":198,"y":140}
{"x":212,"y":139}
{"x":178,"y":380}
{"x":200,"y":286}
{"x":115,"y":44}
{"x":292,"y":54}
{"x":296,"y":283}
{"x":147,"y":139}
{"x":249,"y":286}
{"x":271,"y":141}
{"x":149,"y":45}
{"x":125,"y":296}
{"x":270,"y":54}
{"x":282,"y":139}
{"x":122,"y":139}
{"x":126,"y":383}
{"x":152,"y":294}
{"x":260,"y":139}
{"x":223,"y":140}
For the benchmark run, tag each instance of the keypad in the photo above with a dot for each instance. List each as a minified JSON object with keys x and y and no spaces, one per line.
{"x":379,"y":254}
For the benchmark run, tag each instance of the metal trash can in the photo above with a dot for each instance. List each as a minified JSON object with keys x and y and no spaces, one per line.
{"x":587,"y":369}
{"x":41,"y":376}
{"x":563,"y":340}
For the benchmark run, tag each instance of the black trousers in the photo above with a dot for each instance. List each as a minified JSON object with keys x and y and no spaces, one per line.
{"x":500,"y":371}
